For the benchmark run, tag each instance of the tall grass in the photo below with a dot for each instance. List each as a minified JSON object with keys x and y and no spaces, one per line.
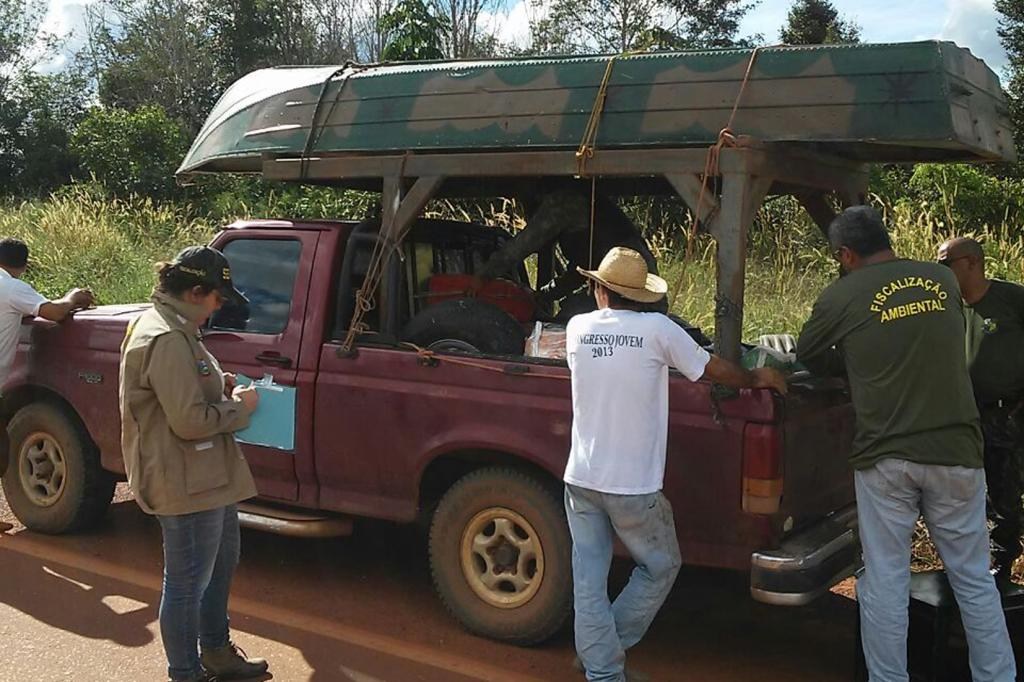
{"x":79,"y":239}
{"x":789,"y":262}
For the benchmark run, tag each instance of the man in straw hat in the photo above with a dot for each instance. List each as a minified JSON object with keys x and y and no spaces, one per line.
{"x":896,"y":327}
{"x":619,"y":359}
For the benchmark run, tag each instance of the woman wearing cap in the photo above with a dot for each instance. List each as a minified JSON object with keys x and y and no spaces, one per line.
{"x":178,"y":414}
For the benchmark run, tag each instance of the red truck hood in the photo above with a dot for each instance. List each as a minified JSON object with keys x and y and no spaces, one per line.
{"x":101,"y":328}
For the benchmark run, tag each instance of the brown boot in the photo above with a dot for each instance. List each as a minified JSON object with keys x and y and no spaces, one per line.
{"x":231,"y":663}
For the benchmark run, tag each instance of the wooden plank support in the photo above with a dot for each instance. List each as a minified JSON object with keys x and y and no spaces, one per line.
{"x":399,"y":210}
{"x":855,"y":196}
{"x":422,"y":191}
{"x":742,"y":194}
{"x":612,"y":162}
{"x":705,"y":207}
{"x":817,"y":206}
{"x":391,"y":201}
{"x":794,"y":166}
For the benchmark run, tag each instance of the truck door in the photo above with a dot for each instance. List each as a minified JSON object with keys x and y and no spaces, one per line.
{"x":272,"y":269}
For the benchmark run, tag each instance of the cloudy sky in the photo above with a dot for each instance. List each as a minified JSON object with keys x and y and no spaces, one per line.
{"x":969,"y":23}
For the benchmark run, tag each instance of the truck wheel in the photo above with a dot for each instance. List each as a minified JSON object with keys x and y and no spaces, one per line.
{"x":500,"y":555}
{"x":483,"y":326}
{"x":54,"y":483}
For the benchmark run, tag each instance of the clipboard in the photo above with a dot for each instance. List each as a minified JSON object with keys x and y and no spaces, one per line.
{"x":273,"y":423}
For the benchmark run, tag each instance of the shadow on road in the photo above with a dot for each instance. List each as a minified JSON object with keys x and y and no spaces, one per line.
{"x":362,"y":609}
{"x":93,"y":606}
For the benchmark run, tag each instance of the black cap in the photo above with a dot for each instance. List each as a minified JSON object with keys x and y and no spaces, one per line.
{"x":209,"y":266}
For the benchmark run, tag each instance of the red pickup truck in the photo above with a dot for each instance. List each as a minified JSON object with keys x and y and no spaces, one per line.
{"x":472,"y":442}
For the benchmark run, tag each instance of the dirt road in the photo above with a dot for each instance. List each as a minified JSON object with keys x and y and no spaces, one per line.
{"x":362,"y":609}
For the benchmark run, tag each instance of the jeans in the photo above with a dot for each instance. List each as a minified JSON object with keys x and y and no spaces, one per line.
{"x":200,"y":555}
{"x":645,"y":525}
{"x":890,"y":497}
{"x":1004,"y":473}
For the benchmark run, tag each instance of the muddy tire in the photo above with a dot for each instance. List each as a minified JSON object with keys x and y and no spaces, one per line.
{"x":54,"y":483}
{"x":466,"y":324}
{"x":500,"y":556}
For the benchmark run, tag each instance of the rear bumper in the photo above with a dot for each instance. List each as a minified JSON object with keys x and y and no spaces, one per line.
{"x":809,"y":562}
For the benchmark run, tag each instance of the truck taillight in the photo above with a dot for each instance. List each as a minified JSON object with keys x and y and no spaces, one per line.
{"x":762,"y":469}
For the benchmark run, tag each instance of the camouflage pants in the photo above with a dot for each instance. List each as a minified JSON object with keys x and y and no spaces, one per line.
{"x":1004,"y":474}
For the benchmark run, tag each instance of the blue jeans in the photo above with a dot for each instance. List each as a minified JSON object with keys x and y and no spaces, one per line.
{"x":200,"y":555}
{"x":890,"y":497}
{"x":645,"y":525}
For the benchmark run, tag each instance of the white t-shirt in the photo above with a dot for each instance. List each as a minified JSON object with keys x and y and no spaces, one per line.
{"x":17,"y":299}
{"x":619,"y":361}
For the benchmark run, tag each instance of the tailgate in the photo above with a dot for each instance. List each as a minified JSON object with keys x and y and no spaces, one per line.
{"x":817,"y":519}
{"x":817,"y":437}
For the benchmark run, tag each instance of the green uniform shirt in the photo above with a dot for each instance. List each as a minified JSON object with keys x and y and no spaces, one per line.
{"x":995,"y":342}
{"x":897,"y":327}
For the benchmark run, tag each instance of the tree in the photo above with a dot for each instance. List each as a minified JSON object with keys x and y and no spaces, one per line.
{"x":182,"y":54}
{"x":817,"y":22}
{"x":415,"y":32}
{"x":155,"y":52}
{"x":714,"y":23}
{"x":37,"y":111}
{"x":465,"y":35}
{"x":254,"y":34}
{"x":341,"y":29}
{"x":22,"y":44}
{"x":579,"y":26}
{"x":36,"y":121}
{"x":1011,"y":33}
{"x":131,"y":152}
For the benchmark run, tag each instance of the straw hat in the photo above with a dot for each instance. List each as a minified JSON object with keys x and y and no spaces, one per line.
{"x":624,"y":271}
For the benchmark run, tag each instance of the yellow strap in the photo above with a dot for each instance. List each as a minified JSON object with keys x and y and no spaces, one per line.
{"x":587,"y":144}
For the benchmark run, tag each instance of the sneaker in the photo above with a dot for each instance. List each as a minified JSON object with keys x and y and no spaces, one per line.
{"x":231,"y":663}
{"x":4,"y":526}
{"x":631,"y":675}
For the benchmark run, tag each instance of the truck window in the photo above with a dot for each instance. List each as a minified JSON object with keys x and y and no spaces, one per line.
{"x":264,"y":271}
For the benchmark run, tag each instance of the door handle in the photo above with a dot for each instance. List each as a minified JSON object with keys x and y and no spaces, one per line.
{"x":274,"y":358}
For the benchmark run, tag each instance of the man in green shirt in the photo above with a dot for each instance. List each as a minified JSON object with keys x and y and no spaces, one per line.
{"x":994,"y":312}
{"x":896,"y":327}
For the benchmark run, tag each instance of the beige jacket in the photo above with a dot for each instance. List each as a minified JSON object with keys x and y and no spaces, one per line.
{"x":176,"y":424}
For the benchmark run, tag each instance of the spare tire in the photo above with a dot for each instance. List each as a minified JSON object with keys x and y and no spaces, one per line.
{"x":466,"y":324}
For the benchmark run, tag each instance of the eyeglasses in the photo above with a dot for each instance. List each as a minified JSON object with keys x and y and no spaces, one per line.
{"x":948,"y":261}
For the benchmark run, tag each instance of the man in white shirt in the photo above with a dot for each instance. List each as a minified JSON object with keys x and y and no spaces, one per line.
{"x":619,"y":359}
{"x":19,"y":300}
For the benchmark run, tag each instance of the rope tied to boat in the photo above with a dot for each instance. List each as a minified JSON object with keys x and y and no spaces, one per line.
{"x":349,"y":69}
{"x":588,"y":144}
{"x":384,"y":248}
{"x":726,"y":138}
